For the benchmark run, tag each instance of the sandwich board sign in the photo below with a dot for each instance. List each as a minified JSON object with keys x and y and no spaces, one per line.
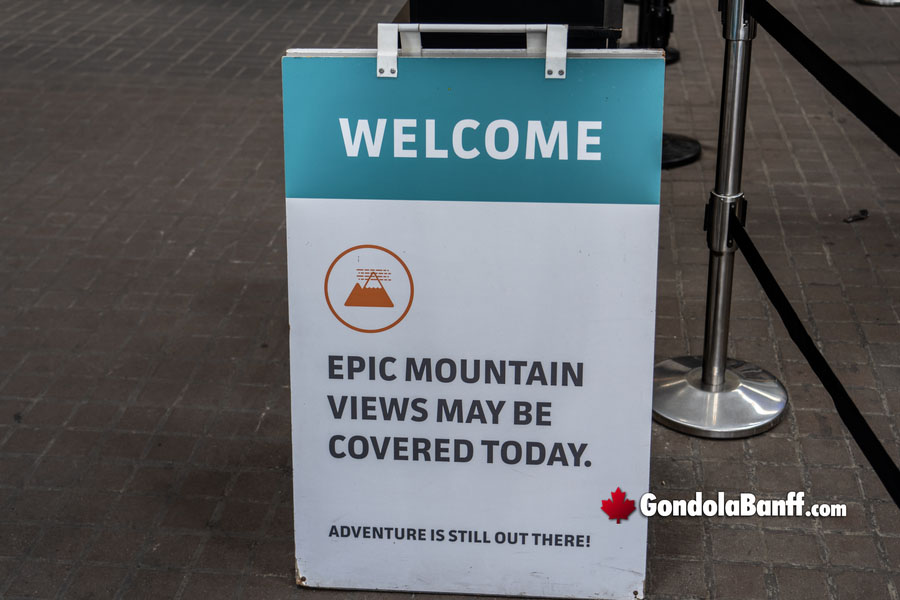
{"x":472,"y":243}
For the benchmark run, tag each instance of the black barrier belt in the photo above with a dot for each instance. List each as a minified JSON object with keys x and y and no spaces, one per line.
{"x":871,"y":448}
{"x":874,"y":113}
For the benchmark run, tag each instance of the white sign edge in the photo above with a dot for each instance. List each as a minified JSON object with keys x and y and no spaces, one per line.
{"x":476,"y":52}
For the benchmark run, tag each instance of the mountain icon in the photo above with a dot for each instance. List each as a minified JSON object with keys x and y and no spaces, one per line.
{"x":363,"y":295}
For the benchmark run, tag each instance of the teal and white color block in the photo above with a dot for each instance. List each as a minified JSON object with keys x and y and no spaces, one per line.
{"x":472,"y":285}
{"x":604,"y":121}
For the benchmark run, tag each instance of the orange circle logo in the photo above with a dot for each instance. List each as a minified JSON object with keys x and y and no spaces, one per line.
{"x":368,"y":288}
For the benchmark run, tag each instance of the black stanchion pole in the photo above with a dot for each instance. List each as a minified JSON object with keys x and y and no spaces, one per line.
{"x":654,"y":26}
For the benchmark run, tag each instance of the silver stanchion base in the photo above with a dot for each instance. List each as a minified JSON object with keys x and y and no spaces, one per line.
{"x":751,"y":400}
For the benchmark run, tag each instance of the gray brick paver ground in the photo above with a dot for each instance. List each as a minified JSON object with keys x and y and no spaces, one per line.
{"x":144,"y":409}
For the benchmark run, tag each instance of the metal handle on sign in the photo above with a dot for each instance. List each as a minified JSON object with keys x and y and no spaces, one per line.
{"x":549,"y":40}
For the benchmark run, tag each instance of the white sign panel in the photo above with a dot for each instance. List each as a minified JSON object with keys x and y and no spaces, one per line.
{"x":471,"y":343}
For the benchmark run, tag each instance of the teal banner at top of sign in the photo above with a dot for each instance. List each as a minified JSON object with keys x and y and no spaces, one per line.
{"x":474,"y":129}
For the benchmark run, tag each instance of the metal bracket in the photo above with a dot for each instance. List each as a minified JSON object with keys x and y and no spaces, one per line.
{"x":557,"y":38}
{"x":549,"y":40}
{"x":716,"y":220}
{"x":386,"y":55}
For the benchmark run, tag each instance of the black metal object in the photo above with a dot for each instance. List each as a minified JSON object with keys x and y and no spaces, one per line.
{"x":655,"y":21}
{"x":679,"y":150}
{"x":592,"y":23}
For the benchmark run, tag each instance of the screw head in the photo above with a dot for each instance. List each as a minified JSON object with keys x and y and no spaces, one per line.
{"x":549,"y":71}
{"x":393,"y":71}
{"x":381,"y":70}
{"x":561,"y":72}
